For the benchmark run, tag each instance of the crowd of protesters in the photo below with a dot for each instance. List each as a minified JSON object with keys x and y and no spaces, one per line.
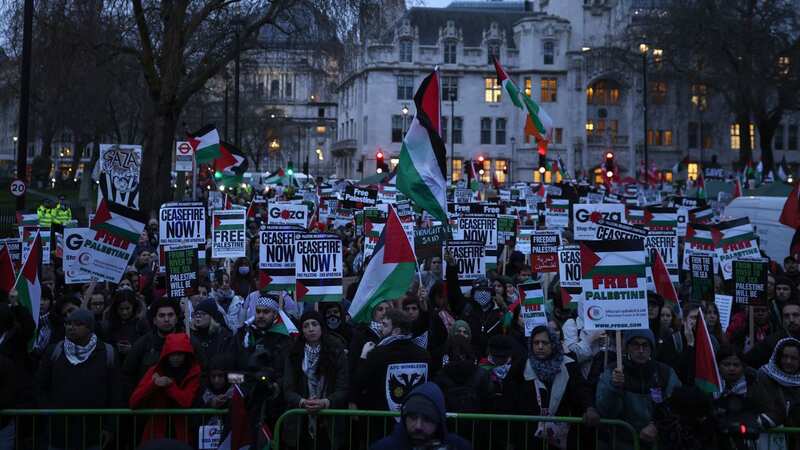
{"x":127,"y":345}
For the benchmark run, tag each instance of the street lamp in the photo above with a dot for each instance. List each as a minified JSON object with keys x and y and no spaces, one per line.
{"x":644,"y":49}
{"x":404,"y":110}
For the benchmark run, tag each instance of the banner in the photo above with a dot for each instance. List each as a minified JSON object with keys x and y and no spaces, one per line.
{"x":73,"y":243}
{"x":287,"y":214}
{"x":318,"y":267}
{"x":229,"y":239}
{"x":182,"y":224}
{"x":428,"y":242}
{"x":119,"y":168}
{"x":357,"y":198}
{"x":569,"y":273}
{"x":469,"y":256}
{"x":701,"y":268}
{"x":608,"y":230}
{"x":733,"y":240}
{"x":276,"y":259}
{"x":750,"y":282}
{"x":481,"y":228}
{"x":182,"y":267}
{"x":614,"y":285}
{"x":556,"y":213}
{"x":532,"y":310}
{"x":544,"y":251}
{"x":585,"y":217}
{"x":665,"y":241}
{"x":98,"y":254}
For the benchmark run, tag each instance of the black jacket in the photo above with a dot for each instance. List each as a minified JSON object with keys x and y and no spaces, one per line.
{"x":361,"y":335}
{"x":144,"y":354}
{"x":207,"y":343}
{"x":260,"y":350}
{"x":389,"y":373}
{"x":466,"y":387}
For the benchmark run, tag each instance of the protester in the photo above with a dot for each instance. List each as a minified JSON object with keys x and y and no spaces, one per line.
{"x":208,"y":337}
{"x":146,"y":351}
{"x":760,"y":353}
{"x":777,"y":391}
{"x":259,"y":344}
{"x":466,"y":385}
{"x":124,"y":322}
{"x":231,"y":305}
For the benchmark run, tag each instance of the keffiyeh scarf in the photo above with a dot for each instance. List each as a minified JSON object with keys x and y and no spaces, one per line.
{"x":77,"y":354}
{"x":773,"y":371}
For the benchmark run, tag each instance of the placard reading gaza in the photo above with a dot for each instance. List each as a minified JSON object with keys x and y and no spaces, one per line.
{"x":357,"y":198}
{"x":586,"y":215}
{"x":182,"y":224}
{"x":750,"y":282}
{"x":469,"y":255}
{"x":287,"y":214}
{"x":229,"y":238}
{"x":318,"y":267}
{"x":181,"y":272}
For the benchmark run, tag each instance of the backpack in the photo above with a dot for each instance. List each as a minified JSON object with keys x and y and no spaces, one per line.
{"x":464,"y":397}
{"x":59,"y":349}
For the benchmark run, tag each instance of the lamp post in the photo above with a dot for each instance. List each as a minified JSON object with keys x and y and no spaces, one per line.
{"x":643,"y":49}
{"x":513,"y":160}
{"x":452,"y":133}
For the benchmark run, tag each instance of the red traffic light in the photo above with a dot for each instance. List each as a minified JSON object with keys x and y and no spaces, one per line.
{"x":609,"y":155}
{"x":379,"y":155}
{"x":481,"y":158}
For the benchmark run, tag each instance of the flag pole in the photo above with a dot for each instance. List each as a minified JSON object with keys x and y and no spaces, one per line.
{"x":619,"y":349}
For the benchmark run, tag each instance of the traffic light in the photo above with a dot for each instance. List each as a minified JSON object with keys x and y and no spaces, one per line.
{"x":290,"y":168}
{"x":610,"y":168}
{"x":542,"y":163}
{"x":217,"y":175}
{"x":379,"y":162}
{"x":481,"y":159}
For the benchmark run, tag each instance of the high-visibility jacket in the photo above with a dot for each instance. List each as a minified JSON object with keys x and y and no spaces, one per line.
{"x":61,"y":214}
{"x":45,"y":215}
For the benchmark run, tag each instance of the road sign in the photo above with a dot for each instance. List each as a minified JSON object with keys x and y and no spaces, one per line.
{"x":18,"y":188}
{"x":183,"y":157}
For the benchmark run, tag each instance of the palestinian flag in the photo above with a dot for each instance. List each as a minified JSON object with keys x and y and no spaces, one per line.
{"x":700,"y":185}
{"x":28,"y":285}
{"x":531,"y":293}
{"x":662,"y":280}
{"x":790,"y":214}
{"x":241,"y":435}
{"x":421,"y":172}
{"x":389,"y":273}
{"x":205,"y":143}
{"x":231,"y":164}
{"x":698,"y":240}
{"x":635,"y":215}
{"x":27,"y":220}
{"x":704,"y":214}
{"x":660,"y":218}
{"x":508,"y":317}
{"x":7,"y":275}
{"x":538,"y":121}
{"x":737,"y":188}
{"x":706,"y":372}
{"x":284,"y":325}
{"x":118,"y":220}
{"x":229,"y":220}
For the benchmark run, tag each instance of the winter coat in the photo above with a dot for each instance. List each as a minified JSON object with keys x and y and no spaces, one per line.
{"x":389,"y":373}
{"x":777,"y":405}
{"x":261,"y":350}
{"x":465,"y":385}
{"x":761,"y":352}
{"x":215,"y":340}
{"x":179,"y":394}
{"x":675,"y":352}
{"x":399,"y":439}
{"x":361,"y":335}
{"x":144,"y":354}
{"x":567,"y":395}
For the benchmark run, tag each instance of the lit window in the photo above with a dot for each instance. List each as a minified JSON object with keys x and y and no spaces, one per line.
{"x":486,"y":130}
{"x":492,"y":90}
{"x":752,"y":137}
{"x":666,"y":137}
{"x":658,"y":57}
{"x":700,"y":97}
{"x":603,"y":93}
{"x":668,"y":177}
{"x":406,"y":49}
{"x":500,"y":169}
{"x":558,"y":135}
{"x":486,"y":176}
{"x":784,"y":63}
{"x":598,"y":176}
{"x":736,"y":137}
{"x":537,"y":177}
{"x":450,"y":48}
{"x":692,"y":170}
{"x":549,"y":90}
{"x":658,"y":92}
{"x":458,"y":166}
{"x":528,"y":85}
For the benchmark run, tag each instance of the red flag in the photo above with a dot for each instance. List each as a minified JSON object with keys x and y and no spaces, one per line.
{"x":790,"y":216}
{"x":251,"y":210}
{"x":706,"y":372}
{"x":7,"y":275}
{"x":664,"y":286}
{"x":241,"y":432}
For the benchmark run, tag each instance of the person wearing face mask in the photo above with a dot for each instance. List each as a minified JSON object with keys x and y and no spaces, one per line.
{"x":777,"y":390}
{"x":338,"y":328}
{"x":243,"y":280}
{"x":208,"y":337}
{"x":231,"y":305}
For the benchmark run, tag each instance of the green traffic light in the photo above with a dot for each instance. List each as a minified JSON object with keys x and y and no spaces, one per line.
{"x":290,"y":172}
{"x":217,"y":174}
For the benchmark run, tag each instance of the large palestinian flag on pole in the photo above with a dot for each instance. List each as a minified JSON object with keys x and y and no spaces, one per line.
{"x":205,"y":143}
{"x":119,"y":220}
{"x":28,"y":285}
{"x":388,"y":274}
{"x":538,"y":121}
{"x":421,"y":173}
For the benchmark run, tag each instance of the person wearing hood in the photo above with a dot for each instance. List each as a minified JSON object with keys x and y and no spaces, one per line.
{"x":417,"y":309}
{"x":315,"y":378}
{"x":777,"y":389}
{"x":208,"y":337}
{"x":231,"y":305}
{"x":336,"y":323}
{"x":552,"y":385}
{"x":146,"y":351}
{"x":439,"y":355}
{"x":790,"y":319}
{"x":634,"y":391}
{"x":466,"y":385}
{"x":90,"y":367}
{"x":423,"y":424}
{"x":172,"y":383}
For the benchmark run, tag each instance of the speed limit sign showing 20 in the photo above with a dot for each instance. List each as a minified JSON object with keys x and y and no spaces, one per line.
{"x":18,"y":188}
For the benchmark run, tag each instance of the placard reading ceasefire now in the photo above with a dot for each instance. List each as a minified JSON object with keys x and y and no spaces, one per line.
{"x":182,"y":224}
{"x":318,"y":267}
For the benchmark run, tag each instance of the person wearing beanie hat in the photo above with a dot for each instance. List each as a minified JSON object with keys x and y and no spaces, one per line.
{"x":423,"y":423}
{"x":634,"y":391}
{"x":209,"y":336}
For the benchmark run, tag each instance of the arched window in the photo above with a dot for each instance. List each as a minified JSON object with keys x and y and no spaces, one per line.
{"x":603,"y":92}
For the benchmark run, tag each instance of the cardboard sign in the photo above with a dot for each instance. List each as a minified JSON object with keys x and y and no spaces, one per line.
{"x":660,"y":219}
{"x":569,"y":273}
{"x":462,"y":196}
{"x":734,"y":239}
{"x":557,"y":213}
{"x":698,"y":242}
{"x":701,"y":268}
{"x":181,"y":266}
{"x":182,"y":224}
{"x":533,"y":312}
{"x":469,"y":255}
{"x":276,"y":260}
{"x":428,"y":241}
{"x":665,"y":242}
{"x":284,"y":213}
{"x":356,"y":198}
{"x":28,"y":233}
{"x":523,"y":243}
{"x":544,"y":251}
{"x":750,"y":282}
{"x":585,"y":217}
{"x":73,"y":243}
{"x":318,"y":267}
{"x":614,"y":285}
{"x":229,"y":239}
{"x":99,"y":254}
{"x":120,"y":167}
{"x":481,"y":228}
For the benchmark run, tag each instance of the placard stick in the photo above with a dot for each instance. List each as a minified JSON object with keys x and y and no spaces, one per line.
{"x":619,"y":349}
{"x":752,"y":326}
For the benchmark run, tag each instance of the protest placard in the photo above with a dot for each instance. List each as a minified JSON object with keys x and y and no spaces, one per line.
{"x":27,"y":234}
{"x":556,"y":213}
{"x":750,"y":282}
{"x":569,"y":273}
{"x":544,"y":251}
{"x":73,"y":243}
{"x":658,"y":218}
{"x":182,"y":224}
{"x":462,"y":196}
{"x":635,"y":215}
{"x":482,"y":228}
{"x":698,"y":242}
{"x":97,"y":254}
{"x":428,"y":241}
{"x":469,"y":256}
{"x":734,"y":239}
{"x":357,"y":197}
{"x":586,"y":215}
{"x":523,"y":242}
{"x":284,"y":213}
{"x":532,"y":310}
{"x":14,"y":246}
{"x":701,"y":268}
{"x":276,"y":260}
{"x":318,"y":267}
{"x":181,"y":263}
{"x":614,"y":285}
{"x":724,"y":305}
{"x":608,"y":230}
{"x":229,"y":239}
{"x":665,"y":242}
{"x":506,"y":228}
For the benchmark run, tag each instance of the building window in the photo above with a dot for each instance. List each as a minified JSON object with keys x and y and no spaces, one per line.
{"x":736,"y":137}
{"x":458,"y":167}
{"x":784,"y":62}
{"x":274,"y":88}
{"x":692,"y":170}
{"x":666,"y":137}
{"x":658,"y":57}
{"x":659,"y":137}
{"x":400,"y":125}
{"x":493,"y":51}
{"x":549,"y":90}
{"x":700,"y":97}
{"x":484,"y":171}
{"x":528,"y":85}
{"x":288,"y":89}
{"x":548,"y":177}
{"x":405,"y":87}
{"x":406,"y":49}
{"x":450,"y":88}
{"x":492,"y":90}
{"x":366,"y":128}
{"x":558,"y":135}
{"x":548,"y":52}
{"x":778,"y":139}
{"x":602,"y":93}
{"x":792,"y":138}
{"x":658,"y":92}
{"x":500,"y":131}
{"x":450,"y":48}
{"x":500,"y":170}
{"x":693,"y":137}
{"x":320,"y":112}
{"x":444,"y":136}
{"x":486,"y":130}
{"x":458,"y":130}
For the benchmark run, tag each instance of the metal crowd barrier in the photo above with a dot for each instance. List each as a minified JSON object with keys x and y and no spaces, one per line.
{"x":74,"y":429}
{"x":358,"y":429}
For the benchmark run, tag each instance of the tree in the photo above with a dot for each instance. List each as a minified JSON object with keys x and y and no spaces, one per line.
{"x":747,"y":51}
